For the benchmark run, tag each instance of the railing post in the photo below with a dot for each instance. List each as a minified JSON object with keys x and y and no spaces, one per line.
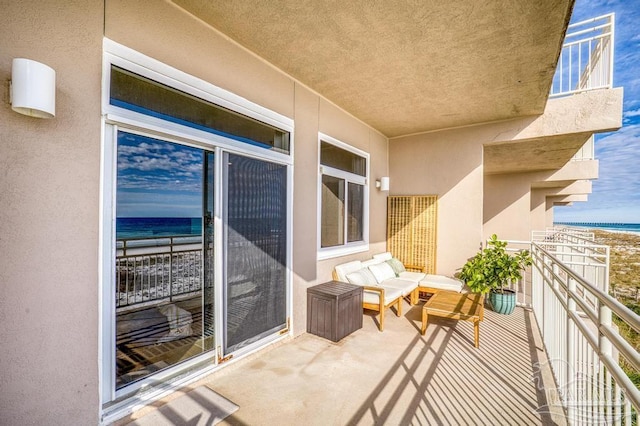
{"x":171,"y":269}
{"x":605,"y":349}
{"x":572,"y":385}
{"x":612,"y":23}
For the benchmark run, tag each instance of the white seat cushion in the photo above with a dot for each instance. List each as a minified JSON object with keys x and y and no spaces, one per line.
{"x":405,"y":286}
{"x":382,"y":271}
{"x":442,"y":283}
{"x":362,"y":277}
{"x":347,"y":268}
{"x":412,"y":276}
{"x":390,"y":294}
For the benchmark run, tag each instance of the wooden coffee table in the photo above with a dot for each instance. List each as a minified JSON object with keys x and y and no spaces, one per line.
{"x":458,"y":306}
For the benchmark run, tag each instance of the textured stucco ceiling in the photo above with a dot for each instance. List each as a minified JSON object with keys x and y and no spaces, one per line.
{"x":406,"y":66}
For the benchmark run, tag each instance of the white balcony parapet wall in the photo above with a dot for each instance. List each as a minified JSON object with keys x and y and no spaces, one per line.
{"x":574,"y":315}
{"x":586,"y":59}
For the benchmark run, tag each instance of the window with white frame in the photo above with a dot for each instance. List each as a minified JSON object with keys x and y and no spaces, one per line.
{"x":344,"y":201}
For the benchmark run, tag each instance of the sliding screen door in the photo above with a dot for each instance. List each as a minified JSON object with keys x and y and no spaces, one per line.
{"x":255,"y":222}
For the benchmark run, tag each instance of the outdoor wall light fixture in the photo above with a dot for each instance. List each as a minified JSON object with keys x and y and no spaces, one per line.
{"x":383,"y":183}
{"x":33,"y":88}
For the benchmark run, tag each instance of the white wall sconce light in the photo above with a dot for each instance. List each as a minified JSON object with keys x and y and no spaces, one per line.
{"x":383,"y":183}
{"x":33,"y":88}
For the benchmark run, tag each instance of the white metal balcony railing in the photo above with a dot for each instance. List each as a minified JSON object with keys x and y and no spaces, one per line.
{"x":586,"y":59}
{"x":569,"y":283}
{"x":587,"y":152}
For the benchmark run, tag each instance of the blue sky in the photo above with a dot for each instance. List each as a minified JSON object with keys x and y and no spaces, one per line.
{"x":616,"y":194}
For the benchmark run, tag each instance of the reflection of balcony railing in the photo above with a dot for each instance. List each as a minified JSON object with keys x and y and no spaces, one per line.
{"x":574,"y":314}
{"x":153,"y":269}
{"x":586,"y":59}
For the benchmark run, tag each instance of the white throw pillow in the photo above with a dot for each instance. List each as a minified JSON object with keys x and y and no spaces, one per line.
{"x":361,"y":277}
{"x":382,"y":271}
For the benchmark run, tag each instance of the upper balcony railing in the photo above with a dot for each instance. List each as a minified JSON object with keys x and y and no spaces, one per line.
{"x":587,"y":152}
{"x":586,"y":59}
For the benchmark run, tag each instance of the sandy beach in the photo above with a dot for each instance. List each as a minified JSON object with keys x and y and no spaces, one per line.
{"x":624,"y":271}
{"x":624,"y":283}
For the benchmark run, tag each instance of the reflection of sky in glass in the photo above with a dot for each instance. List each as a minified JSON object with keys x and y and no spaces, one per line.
{"x":157,"y":178}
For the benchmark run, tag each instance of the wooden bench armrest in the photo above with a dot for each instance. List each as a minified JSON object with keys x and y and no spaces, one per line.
{"x":422,"y":269}
{"x":380,"y":292}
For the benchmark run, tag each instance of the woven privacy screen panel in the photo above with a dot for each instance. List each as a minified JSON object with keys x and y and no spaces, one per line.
{"x":412,"y":223}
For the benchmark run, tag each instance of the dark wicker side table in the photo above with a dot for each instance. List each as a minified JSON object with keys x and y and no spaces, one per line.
{"x":334,"y":310}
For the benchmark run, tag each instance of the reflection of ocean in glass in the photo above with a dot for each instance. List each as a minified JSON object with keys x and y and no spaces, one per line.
{"x":145,"y":227}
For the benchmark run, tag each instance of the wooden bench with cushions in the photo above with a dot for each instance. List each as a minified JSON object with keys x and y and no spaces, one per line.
{"x":427,"y":283}
{"x":375,"y":296}
{"x":386,"y":282}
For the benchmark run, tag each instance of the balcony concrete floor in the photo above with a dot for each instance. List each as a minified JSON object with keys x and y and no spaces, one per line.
{"x":394,"y":377}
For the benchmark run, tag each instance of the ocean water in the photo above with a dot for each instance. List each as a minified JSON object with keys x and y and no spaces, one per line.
{"x":618,"y":227}
{"x":157,"y":227}
{"x":150,"y":227}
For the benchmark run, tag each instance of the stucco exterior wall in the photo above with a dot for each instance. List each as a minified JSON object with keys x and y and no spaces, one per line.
{"x":306,"y":202}
{"x":549,"y":215}
{"x":539,"y":210}
{"x":507,"y":206}
{"x":49,"y":193}
{"x":447,"y":164}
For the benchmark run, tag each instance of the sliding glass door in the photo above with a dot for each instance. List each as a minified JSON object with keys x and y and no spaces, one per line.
{"x":164,"y":266}
{"x":182,"y":290}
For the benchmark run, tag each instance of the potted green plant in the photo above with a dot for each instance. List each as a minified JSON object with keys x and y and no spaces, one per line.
{"x":493,"y":268}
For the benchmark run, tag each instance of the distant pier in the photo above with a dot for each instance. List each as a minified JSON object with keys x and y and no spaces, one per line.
{"x":589,"y":224}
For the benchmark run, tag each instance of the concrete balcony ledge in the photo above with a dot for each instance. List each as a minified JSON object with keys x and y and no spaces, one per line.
{"x":549,"y":141}
{"x":393,"y":377}
{"x":584,"y":113}
{"x":573,"y":171}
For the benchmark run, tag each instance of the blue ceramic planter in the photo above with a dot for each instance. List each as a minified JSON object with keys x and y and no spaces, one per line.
{"x":503,"y":303}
